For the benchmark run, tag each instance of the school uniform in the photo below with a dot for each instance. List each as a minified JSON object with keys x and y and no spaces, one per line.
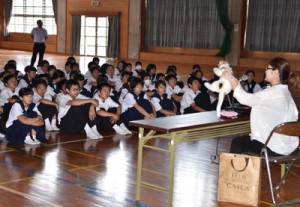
{"x":84,"y":92}
{"x":151,"y":87}
{"x":161,"y":102}
{"x":88,"y":86}
{"x":25,"y":82}
{"x":107,"y":105}
{"x":124,"y":91}
{"x":16,"y":131}
{"x":5,"y":94}
{"x":252,"y":87}
{"x":87,"y":75}
{"x":129,"y":112}
{"x":2,"y":86}
{"x":73,"y":118}
{"x":176,"y":90}
{"x":47,"y":111}
{"x":187,"y":100}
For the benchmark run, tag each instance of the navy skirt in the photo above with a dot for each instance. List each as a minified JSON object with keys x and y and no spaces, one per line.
{"x":17,"y":132}
{"x":133,"y":114}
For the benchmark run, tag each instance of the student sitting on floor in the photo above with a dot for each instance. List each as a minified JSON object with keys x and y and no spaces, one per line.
{"x":9,"y":95}
{"x":188,"y":104}
{"x":112,"y":79}
{"x":109,"y":111}
{"x":174,"y":91}
{"x":135,"y":105}
{"x":149,"y":87}
{"x":25,"y":123}
{"x":46,"y":106}
{"x":29,"y":78}
{"x":163,"y":105}
{"x":43,"y":67}
{"x":61,"y":88}
{"x":77,"y":112}
{"x":91,"y":83}
{"x":2,"y":76}
{"x":82,"y":90}
{"x":1,"y":128}
{"x":125,"y":78}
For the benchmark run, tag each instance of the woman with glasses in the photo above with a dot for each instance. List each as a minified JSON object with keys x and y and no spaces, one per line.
{"x":270,"y":107}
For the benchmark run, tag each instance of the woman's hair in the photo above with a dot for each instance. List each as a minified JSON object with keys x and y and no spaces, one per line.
{"x":285,"y":75}
{"x":25,"y":91}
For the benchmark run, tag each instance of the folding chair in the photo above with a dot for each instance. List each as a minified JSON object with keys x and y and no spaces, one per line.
{"x":289,"y":129}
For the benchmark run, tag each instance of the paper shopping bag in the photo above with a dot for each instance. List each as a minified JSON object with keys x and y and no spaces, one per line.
{"x":239,"y":179}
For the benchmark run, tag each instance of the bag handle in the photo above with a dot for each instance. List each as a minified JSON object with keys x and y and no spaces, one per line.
{"x":246,"y":165}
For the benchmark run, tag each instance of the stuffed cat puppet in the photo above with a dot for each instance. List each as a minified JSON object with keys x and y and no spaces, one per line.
{"x":221,"y":86}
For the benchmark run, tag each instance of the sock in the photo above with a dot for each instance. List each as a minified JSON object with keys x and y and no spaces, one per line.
{"x":47,"y":125}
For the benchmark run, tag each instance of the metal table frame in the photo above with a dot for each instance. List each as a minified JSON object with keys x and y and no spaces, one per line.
{"x":205,"y":130}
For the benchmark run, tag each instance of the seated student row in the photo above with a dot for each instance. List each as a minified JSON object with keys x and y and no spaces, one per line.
{"x":54,"y":98}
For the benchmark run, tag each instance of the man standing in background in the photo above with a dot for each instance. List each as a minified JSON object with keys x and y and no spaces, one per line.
{"x":39,"y":36}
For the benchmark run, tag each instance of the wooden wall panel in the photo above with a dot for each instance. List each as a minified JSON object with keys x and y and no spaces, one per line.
{"x":106,"y":6}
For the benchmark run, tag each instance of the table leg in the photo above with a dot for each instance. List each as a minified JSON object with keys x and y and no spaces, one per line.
{"x":172,"y":149}
{"x":139,"y":165}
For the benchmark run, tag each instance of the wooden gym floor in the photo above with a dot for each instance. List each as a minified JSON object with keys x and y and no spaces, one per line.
{"x":71,"y":170}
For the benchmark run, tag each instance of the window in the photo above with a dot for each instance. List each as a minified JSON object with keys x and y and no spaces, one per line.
{"x":94,"y":36}
{"x":25,"y":13}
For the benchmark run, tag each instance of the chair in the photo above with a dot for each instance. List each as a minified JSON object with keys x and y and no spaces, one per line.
{"x":290,"y":129}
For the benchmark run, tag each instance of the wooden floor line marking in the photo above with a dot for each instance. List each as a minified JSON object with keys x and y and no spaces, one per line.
{"x":84,"y":154}
{"x":30,"y":197}
{"x":13,"y":181}
{"x":86,"y":167}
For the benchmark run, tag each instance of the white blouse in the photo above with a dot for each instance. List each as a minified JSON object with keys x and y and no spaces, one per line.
{"x":270,"y":107}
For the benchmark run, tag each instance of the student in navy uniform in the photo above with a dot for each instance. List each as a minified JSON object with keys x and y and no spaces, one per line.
{"x":1,"y":128}
{"x":135,"y":105}
{"x":46,"y":106}
{"x":2,"y":76}
{"x":173,"y":70}
{"x":82,"y":90}
{"x":77,"y":113}
{"x":25,"y":123}
{"x":29,"y":78}
{"x":188,"y":103}
{"x":108,"y":111}
{"x":9,"y":95}
{"x":125,"y":78}
{"x":151,"y":69}
{"x":91,"y":83}
{"x":163,"y":105}
{"x":174,"y":91}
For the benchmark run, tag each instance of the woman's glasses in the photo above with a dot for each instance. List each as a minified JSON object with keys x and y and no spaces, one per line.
{"x":269,"y":69}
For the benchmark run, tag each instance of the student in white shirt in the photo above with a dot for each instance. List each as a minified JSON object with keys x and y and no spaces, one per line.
{"x":112,"y":78}
{"x":270,"y":107}
{"x":134,"y":105}
{"x":9,"y":95}
{"x":188,"y":103}
{"x":91,"y":83}
{"x":28,"y":79}
{"x":108,"y":111}
{"x":174,"y":91}
{"x":77,"y":113}
{"x":2,"y":75}
{"x":43,"y":67}
{"x":25,"y":123}
{"x":163,"y":105}
{"x":46,"y":106}
{"x":149,"y":87}
{"x":250,"y":85}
